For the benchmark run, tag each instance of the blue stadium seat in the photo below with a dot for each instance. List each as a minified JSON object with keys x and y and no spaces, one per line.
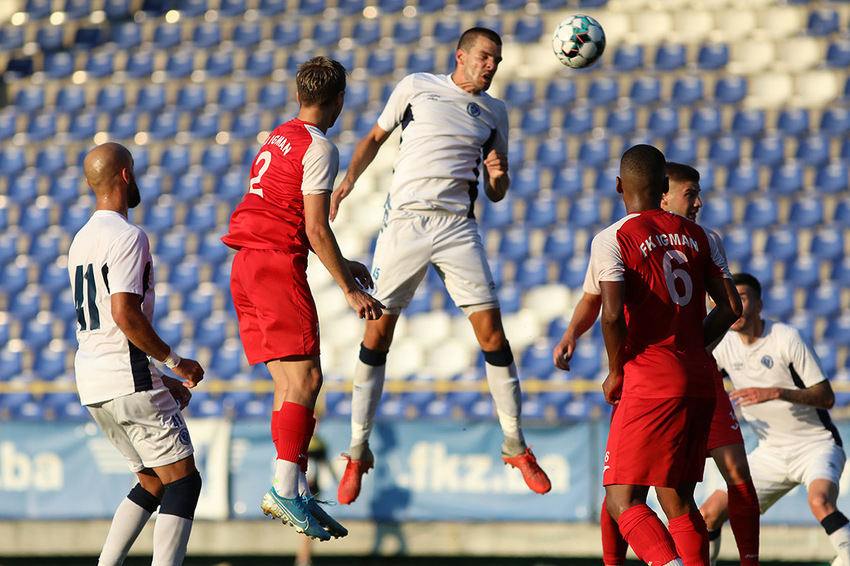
{"x":246,"y":34}
{"x":713,"y":56}
{"x":748,"y":122}
{"x":11,"y":38}
{"x":603,"y":91}
{"x":100,"y":64}
{"x":528,"y":30}
{"x":813,"y":149}
{"x":742,"y":179}
{"x":41,"y":127}
{"x":828,"y":357}
{"x":560,"y":93}
{"x":74,"y":217}
{"x":725,"y":150}
{"x":260,"y":63}
{"x":670,"y":57}
{"x":432,"y":6}
{"x":406,"y":31}
{"x":586,"y":362}
{"x":519,"y":93}
{"x":70,"y":99}
{"x":730,"y":89}
{"x":471,"y":5}
{"x":211,"y":249}
{"x":111,"y":98}
{"x":645,"y":91}
{"x":786,"y":179}
{"x":206,"y":35}
{"x":535,"y":121}
{"x":380,"y":62}
{"x":837,"y":330}
{"x":568,"y":180}
{"x":552,"y":152}
{"x":163,"y":125}
{"x":187,"y":186}
{"x":8,"y":124}
{"x":762,"y":268}
{"x":326,"y":32}
{"x":12,"y":160}
{"x":769,"y":150}
{"x":577,"y":120}
{"x":822,"y":21}
{"x":806,"y":213}
{"x":681,"y":149}
{"x":197,"y":306}
{"x":594,"y":152}
{"x":232,"y":96}
{"x":541,"y":212}
{"x":50,"y":364}
{"x":559,"y":244}
{"x":219,"y":63}
{"x":205,"y":125}
{"x":835,"y":121}
{"x":272,"y":7}
{"x":514,"y":244}
{"x":216,"y":159}
{"x":366,"y":32}
{"x":838,"y":54}
{"x":350,"y":7}
{"x":761,"y":212}
{"x":525,"y":181}
{"x":311,"y":7}
{"x":716,"y":213}
{"x":167,"y":36}
{"x":824,"y":300}
{"x":127,"y":35}
{"x":793,"y":121}
{"x":27,"y":304}
{"x":139,"y":64}
{"x":159,"y":218}
{"x":184,"y":274}
{"x":532,"y":272}
{"x":663,"y":122}
{"x":584,"y":213}
{"x":687,"y":91}
{"x":65,"y":189}
{"x":831,"y":178}
{"x":782,"y":244}
{"x":828,"y":244}
{"x":180,"y":64}
{"x":418,"y":61}
{"x":628,"y":58}
{"x":30,"y":99}
{"x":175,"y":159}
{"x":51,"y":160}
{"x":447,"y":31}
{"x":50,"y":40}
{"x":117,"y":10}
{"x":802,"y":272}
{"x":228,"y":360}
{"x":37,"y":334}
{"x":497,"y":214}
{"x":778,"y":301}
{"x":706,"y":121}
{"x":46,"y":247}
{"x":245,"y":125}
{"x":171,"y":244}
{"x":23,"y":188}
{"x":621,"y":121}
{"x":286,"y":34}
{"x":738,"y":242}
{"x":212,"y":332}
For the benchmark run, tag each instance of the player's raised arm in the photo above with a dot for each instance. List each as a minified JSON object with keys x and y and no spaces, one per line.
{"x":364,"y":154}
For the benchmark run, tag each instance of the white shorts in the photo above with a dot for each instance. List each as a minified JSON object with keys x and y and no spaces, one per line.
{"x":147,"y":427}
{"x":410,"y":241}
{"x":776,"y":473}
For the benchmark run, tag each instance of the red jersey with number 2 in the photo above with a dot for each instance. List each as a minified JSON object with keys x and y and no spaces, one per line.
{"x":664,"y":259}
{"x":295,"y":160}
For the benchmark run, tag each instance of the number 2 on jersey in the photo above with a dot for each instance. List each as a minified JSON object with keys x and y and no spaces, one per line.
{"x":91,"y":293}
{"x":264,"y":160}
{"x":671,"y":275}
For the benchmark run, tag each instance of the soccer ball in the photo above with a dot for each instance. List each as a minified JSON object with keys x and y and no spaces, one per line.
{"x":578,"y":41}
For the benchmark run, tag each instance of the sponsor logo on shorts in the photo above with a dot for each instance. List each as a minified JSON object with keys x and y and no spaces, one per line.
{"x":767,"y":362}
{"x":473,"y":109}
{"x":183,"y":435}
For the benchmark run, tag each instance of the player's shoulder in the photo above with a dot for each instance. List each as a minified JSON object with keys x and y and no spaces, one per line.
{"x":781,"y":331}
{"x":610,"y":233}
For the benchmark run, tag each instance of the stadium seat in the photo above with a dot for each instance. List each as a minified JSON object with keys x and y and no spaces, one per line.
{"x":406,"y":31}
{"x":50,"y":160}
{"x":11,"y":38}
{"x":519,"y":93}
{"x":761,"y":212}
{"x":163,"y":125}
{"x":167,"y":35}
{"x":50,"y":40}
{"x":41,"y":127}
{"x":8,"y":124}
{"x":806,"y":213}
{"x":541,"y":212}
{"x":645,"y":91}
{"x":603,"y":91}
{"x":180,"y":64}
{"x":326,"y":32}
{"x":187,"y":186}
{"x":117,"y":10}
{"x":525,"y":181}
{"x":738,"y":242}
{"x":687,"y":91}
{"x":567,"y":180}
{"x":670,"y":57}
{"x":12,"y":160}
{"x":742,"y":179}
{"x":205,"y":125}
{"x":552,"y":152}
{"x":828,"y":244}
{"x":793,"y":121}
{"x":211,"y":249}
{"x":206,"y":35}
{"x":594,"y":152}
{"x":782,"y":244}
{"x":621,"y":122}
{"x":802,"y":272}
{"x":170,"y":246}
{"x":560,"y":93}
{"x":837,"y":330}
{"x":706,"y":121}
{"x":628,"y":58}
{"x":311,"y":7}
{"x":813,"y":149}
{"x":713,"y":56}
{"x":730,"y":89}
{"x":559,"y":244}
{"x":828,"y":357}
{"x":23,"y":188}
{"x":271,"y":7}
{"x":175,"y":159}
{"x":528,"y":30}
{"x":159,"y":218}
{"x":831,"y":178}
{"x":139,"y":64}
{"x":366,"y":32}
{"x":70,"y":99}
{"x":584,"y":213}
{"x":111,"y":98}
{"x":838,"y":54}
{"x":535,"y":121}
{"x":762,"y":268}
{"x":824,"y":300}
{"x":725,"y":150}
{"x":46,"y":247}
{"x":835,"y":121}
{"x":213,"y":331}
{"x":432,"y":6}
{"x":52,"y":278}
{"x":497,"y":215}
{"x":514,"y":244}
{"x":681,"y":149}
{"x":769,"y":150}
{"x":30,"y":99}
{"x":577,"y":120}
{"x":380,"y":62}
{"x":126,"y":35}
{"x":822,"y":21}
{"x":260,"y":63}
{"x":748,"y":122}
{"x":100,"y":64}
{"x":663,"y":122}
{"x":778,"y":301}
{"x":447,"y":31}
{"x":286,"y":34}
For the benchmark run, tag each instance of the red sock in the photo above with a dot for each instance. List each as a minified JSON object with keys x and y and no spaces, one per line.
{"x":308,"y":436}
{"x":744,"y":517}
{"x":691,"y":537}
{"x":294,"y":424}
{"x":614,"y":546}
{"x":275,"y":427}
{"x":645,"y":533}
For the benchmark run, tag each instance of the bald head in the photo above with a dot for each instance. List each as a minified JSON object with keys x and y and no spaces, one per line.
{"x":109,"y":172}
{"x":643,"y":171}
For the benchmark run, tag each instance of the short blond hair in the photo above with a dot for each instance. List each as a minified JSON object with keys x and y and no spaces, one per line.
{"x":319,"y":80}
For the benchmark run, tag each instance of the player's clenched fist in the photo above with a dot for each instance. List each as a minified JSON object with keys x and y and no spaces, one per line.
{"x":496,"y":164}
{"x":190,"y":370}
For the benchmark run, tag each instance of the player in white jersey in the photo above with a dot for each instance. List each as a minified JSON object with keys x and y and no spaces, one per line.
{"x":785,"y":396}
{"x":136,"y":406}
{"x":452,"y":131}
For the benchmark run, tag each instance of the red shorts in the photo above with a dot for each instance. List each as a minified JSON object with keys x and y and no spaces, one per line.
{"x":657,"y":442}
{"x":277,"y":314}
{"x":725,"y":428}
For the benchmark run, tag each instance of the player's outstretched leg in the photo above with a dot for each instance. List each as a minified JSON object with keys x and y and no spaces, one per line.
{"x":128,"y":521}
{"x":503,"y":382}
{"x":174,"y":522}
{"x":293,"y":511}
{"x":355,"y":467}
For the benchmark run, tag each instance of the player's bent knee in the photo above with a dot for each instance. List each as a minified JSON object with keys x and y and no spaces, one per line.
{"x":143,"y":498}
{"x":181,"y":496}
{"x":503,"y":357}
{"x":372,"y":357}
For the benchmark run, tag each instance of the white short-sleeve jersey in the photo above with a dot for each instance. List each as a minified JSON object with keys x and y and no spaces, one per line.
{"x":446,"y":132}
{"x":110,"y":255}
{"x":779,"y":358}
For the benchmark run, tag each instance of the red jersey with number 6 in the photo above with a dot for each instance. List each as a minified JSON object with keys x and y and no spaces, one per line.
{"x":663,"y":259}
{"x":297,"y":159}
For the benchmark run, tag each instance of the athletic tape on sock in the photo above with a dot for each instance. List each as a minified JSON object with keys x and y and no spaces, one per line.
{"x":833,"y":522}
{"x":181,"y":496}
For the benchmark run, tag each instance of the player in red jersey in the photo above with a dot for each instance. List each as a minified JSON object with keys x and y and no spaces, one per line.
{"x":654,"y":268}
{"x":283,"y":215}
{"x":725,"y":442}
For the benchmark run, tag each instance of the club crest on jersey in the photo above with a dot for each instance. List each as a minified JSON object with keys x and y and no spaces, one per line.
{"x":767,"y":362}
{"x":183,"y":435}
{"x":473,"y":109}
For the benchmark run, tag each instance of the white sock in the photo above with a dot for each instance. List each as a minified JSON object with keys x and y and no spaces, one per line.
{"x":286,"y":475}
{"x":675,"y":562}
{"x":303,"y":485}
{"x":713,"y":547}
{"x":504,"y":387}
{"x":840,"y":540}
{"x":170,"y":537}
{"x":365,"y":396}
{"x":127,"y":523}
